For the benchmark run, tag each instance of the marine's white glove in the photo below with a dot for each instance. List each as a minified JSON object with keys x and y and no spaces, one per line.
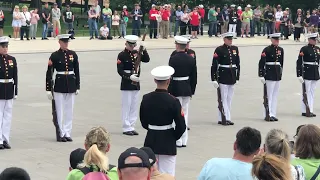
{"x":215,"y":84}
{"x":301,"y":79}
{"x":237,"y":82}
{"x":263,"y":81}
{"x":135,"y":78}
{"x":15,"y":97}
{"x":77,"y":92}
{"x":143,"y":44}
{"x":50,"y":97}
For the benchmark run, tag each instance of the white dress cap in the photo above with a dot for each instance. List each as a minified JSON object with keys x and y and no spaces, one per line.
{"x":187,"y":36}
{"x":131,"y":38}
{"x":64,"y":36}
{"x":4,"y":39}
{"x":275,"y":35}
{"x":228,"y":34}
{"x":312,"y":35}
{"x":162,"y":73}
{"x":181,"y":40}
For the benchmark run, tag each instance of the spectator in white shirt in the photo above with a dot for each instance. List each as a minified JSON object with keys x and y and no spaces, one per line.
{"x":278,"y":17}
{"x":16,"y":22}
{"x":56,"y":14}
{"x":25,"y":23}
{"x":104,"y":32}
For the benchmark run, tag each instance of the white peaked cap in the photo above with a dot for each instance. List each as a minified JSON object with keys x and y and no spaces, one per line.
{"x":181,"y":40}
{"x":162,"y":72}
{"x":131,"y":38}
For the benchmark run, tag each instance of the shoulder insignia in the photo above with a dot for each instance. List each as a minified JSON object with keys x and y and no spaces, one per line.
{"x":118,"y":61}
{"x":301,"y":54}
{"x":182,"y":113}
{"x":49,"y":62}
{"x":215,"y":55}
{"x":263,"y":54}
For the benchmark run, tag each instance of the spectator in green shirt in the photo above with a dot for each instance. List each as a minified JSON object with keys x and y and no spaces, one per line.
{"x":212,"y":17}
{"x":307,"y":150}
{"x":106,"y":15}
{"x":246,"y":16}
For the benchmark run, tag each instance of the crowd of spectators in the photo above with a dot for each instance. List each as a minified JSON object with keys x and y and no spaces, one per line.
{"x":277,"y":159}
{"x":170,"y":20}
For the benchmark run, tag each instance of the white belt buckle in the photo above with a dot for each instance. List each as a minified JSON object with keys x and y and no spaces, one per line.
{"x":6,"y":80}
{"x":66,"y":72}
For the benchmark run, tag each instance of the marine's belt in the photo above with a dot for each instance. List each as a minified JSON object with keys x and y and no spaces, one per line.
{"x":180,"y":78}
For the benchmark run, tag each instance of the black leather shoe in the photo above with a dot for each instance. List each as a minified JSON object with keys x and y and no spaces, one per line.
{"x":62,"y":139}
{"x":68,"y":139}
{"x":304,"y":114}
{"x":224,"y":124}
{"x":128,"y":133}
{"x":184,"y":145}
{"x":230,"y":123}
{"x":6,"y":145}
{"x":179,"y":146}
{"x":275,"y":119}
{"x":1,"y":147}
{"x":313,"y":115}
{"x":135,"y":133}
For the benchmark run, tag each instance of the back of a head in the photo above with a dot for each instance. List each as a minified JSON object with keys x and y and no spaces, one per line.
{"x":136,"y":173}
{"x":97,"y":141}
{"x":277,"y":142}
{"x":248,"y":141}
{"x":14,"y":173}
{"x":270,"y":167}
{"x":307,"y":144}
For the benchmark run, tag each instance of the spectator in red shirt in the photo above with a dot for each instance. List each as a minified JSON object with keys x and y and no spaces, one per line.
{"x":202,"y":13}
{"x":153,"y":13}
{"x":194,"y":21}
{"x":165,"y":15}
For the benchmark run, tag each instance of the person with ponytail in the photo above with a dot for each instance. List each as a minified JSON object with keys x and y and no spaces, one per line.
{"x":97,"y":144}
{"x":277,"y":143}
{"x":270,"y":167}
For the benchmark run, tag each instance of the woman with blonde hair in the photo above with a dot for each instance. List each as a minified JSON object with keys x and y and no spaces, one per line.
{"x":16,"y":22}
{"x":97,"y":144}
{"x":270,"y":167}
{"x":277,"y":143}
{"x":307,"y":151}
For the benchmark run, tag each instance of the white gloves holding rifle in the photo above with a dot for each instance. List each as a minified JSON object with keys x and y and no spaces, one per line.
{"x":143,"y":44}
{"x":215,"y":84}
{"x":134,"y":78}
{"x":263,"y":81}
{"x":301,"y":79}
{"x":49,"y":95}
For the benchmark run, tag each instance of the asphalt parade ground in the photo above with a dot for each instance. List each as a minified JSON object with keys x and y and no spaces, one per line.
{"x":99,"y":104}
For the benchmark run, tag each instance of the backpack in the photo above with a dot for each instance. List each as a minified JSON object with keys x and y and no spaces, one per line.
{"x":89,"y":174}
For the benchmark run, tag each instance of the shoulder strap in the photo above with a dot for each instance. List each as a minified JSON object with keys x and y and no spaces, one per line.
{"x":314,"y":177}
{"x":85,"y":170}
{"x":298,"y":174}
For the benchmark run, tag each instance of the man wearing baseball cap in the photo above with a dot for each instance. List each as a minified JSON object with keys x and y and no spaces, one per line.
{"x":155,"y":173}
{"x":134,"y":164}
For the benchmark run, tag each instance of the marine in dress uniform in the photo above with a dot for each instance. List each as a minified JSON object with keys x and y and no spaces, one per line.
{"x":189,"y":51}
{"x":225,"y":73}
{"x":184,"y":80}
{"x":233,"y":17}
{"x":8,"y":91}
{"x":270,"y":72}
{"x":130,"y":85}
{"x":308,"y":70}
{"x":66,"y":86}
{"x":161,"y":114}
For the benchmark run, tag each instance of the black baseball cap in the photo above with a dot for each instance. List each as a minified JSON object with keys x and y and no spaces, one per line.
{"x":145,"y":163}
{"x":76,"y":157}
{"x":152,"y":156}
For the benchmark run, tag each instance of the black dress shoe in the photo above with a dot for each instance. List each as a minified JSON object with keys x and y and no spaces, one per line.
{"x":304,"y":114}
{"x":6,"y":145}
{"x":230,"y":123}
{"x":271,"y":119}
{"x":275,"y":119}
{"x":313,"y":115}
{"x":184,"y":145}
{"x":62,"y":139}
{"x":1,"y":146}
{"x":68,"y":139}
{"x":224,"y":124}
{"x":135,"y":133}
{"x":179,"y":146}
{"x":128,"y":133}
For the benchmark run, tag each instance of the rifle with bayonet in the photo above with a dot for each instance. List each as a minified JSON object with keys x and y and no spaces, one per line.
{"x":304,"y":94}
{"x":54,"y":110}
{"x":220,"y":107}
{"x":266,"y":103}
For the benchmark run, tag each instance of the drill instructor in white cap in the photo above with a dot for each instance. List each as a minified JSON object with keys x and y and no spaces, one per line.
{"x":184,"y":80}
{"x":66,"y":85}
{"x":270,"y":73}
{"x":308,"y":72}
{"x":225,"y":73}
{"x":130,"y":85}
{"x":8,"y":91}
{"x":165,"y":125}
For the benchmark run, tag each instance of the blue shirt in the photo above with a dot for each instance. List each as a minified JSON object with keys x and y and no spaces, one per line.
{"x":226,"y":169}
{"x":179,"y":14}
